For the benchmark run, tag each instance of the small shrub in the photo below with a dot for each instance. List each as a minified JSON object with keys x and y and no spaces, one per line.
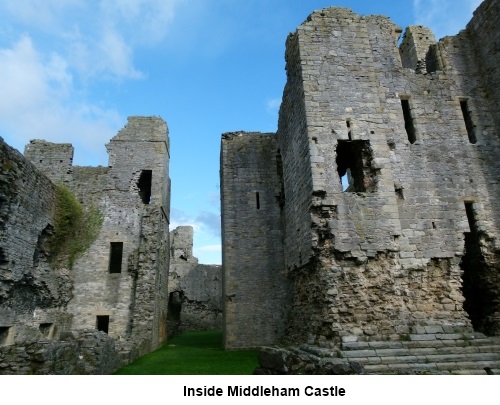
{"x":76,"y":228}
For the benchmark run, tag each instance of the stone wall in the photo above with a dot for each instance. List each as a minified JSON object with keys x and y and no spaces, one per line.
{"x":78,"y":352}
{"x":119,"y":285}
{"x":255,"y":284}
{"x":195,"y":290}
{"x":390,"y":160}
{"x":33,"y":295}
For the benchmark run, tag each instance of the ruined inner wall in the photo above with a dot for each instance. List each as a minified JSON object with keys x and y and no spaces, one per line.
{"x":255,"y":284}
{"x":386,"y":251}
{"x":32,"y":294}
{"x":135,"y":203}
{"x":195,"y":290}
{"x":132,"y":193}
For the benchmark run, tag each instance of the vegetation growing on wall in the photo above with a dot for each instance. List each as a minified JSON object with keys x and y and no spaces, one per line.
{"x":76,"y":228}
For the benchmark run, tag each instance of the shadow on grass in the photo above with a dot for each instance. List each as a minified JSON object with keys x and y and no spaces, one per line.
{"x":194,"y":353}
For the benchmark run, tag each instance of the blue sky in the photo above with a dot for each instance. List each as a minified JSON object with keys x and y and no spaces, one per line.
{"x":73,"y":70}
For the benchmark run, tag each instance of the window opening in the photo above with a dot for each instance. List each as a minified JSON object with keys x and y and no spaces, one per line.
{"x":349,"y":129}
{"x":144,"y":184}
{"x":410,"y":128}
{"x":115,"y":257}
{"x":45,"y":329}
{"x":471,"y":216}
{"x":102,"y":323}
{"x":469,"y":125}
{"x":354,"y":166}
{"x":4,"y":334}
{"x":257,"y":200}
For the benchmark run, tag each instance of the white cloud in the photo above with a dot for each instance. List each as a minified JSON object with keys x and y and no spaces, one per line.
{"x":98,"y":38}
{"x":205,"y":225}
{"x":149,"y":20}
{"x":46,"y":16}
{"x":36,"y":102}
{"x":444,"y":17}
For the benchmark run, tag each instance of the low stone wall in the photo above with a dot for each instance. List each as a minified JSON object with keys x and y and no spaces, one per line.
{"x":304,"y":360}
{"x":79,"y":352}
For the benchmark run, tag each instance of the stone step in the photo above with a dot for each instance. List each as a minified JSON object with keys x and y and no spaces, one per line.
{"x":439,"y":356}
{"x":466,"y":368}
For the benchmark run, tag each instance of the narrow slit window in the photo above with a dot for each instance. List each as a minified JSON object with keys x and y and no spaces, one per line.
{"x":471,"y":215}
{"x":115,"y":257}
{"x":469,"y":125}
{"x":144,"y":184}
{"x":349,"y":129}
{"x":102,"y":323}
{"x":257,"y":200}
{"x":409,"y":126}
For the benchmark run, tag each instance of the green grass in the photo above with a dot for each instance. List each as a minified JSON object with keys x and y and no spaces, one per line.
{"x":194,"y":353}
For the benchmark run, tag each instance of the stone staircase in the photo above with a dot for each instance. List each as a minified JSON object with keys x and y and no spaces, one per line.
{"x":426,"y":353}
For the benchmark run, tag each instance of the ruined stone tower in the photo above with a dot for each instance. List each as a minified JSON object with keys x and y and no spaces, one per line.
{"x":119,"y":285}
{"x":195,"y":290}
{"x":373,"y":212}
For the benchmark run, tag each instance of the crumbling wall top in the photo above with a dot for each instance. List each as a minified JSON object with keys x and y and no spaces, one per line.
{"x":149,"y":129}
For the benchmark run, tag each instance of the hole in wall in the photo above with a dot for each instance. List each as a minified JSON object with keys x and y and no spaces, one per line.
{"x":144,"y":184}
{"x":115,"y":257}
{"x":354,"y":160}
{"x":4,"y":335}
{"x":45,"y":329}
{"x":469,"y":125}
{"x":409,"y":126}
{"x":102,"y":323}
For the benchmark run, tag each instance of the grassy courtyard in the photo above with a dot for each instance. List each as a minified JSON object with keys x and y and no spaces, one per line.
{"x":194,"y":353}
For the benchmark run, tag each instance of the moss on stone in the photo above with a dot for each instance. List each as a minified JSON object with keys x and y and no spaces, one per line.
{"x":76,"y":228}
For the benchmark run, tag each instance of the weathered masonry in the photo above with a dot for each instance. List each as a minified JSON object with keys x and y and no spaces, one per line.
{"x":194,"y":290}
{"x":108,"y":304}
{"x":373,"y":213}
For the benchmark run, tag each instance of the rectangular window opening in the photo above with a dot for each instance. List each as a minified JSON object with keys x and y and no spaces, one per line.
{"x":409,"y":126}
{"x":469,"y":125}
{"x":471,"y":215}
{"x":115,"y":257}
{"x":349,"y":129}
{"x":46,"y":329}
{"x":257,"y":200}
{"x":144,"y":184}
{"x":102,"y":323}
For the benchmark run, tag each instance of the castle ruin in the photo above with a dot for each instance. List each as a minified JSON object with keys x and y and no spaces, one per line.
{"x":195,"y":290}
{"x":366,"y":227}
{"x":110,"y":305}
{"x":372,"y":215}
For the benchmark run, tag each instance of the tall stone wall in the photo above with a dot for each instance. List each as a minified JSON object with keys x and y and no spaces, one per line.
{"x":33,"y":295}
{"x":390,"y":160}
{"x":195,"y":290}
{"x":119,"y":285}
{"x":255,"y":283}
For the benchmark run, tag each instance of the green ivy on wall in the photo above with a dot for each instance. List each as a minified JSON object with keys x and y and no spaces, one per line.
{"x":76,"y":228}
